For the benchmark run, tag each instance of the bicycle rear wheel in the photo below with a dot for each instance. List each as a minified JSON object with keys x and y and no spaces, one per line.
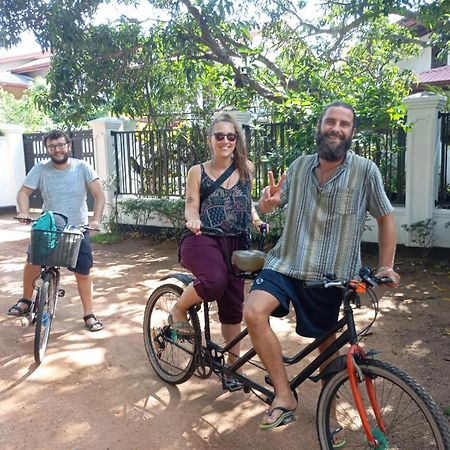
{"x":412,"y":419}
{"x":47,"y":303}
{"x":172,"y":357}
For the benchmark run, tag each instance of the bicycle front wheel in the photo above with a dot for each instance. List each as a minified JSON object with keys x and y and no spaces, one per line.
{"x":412,"y":419}
{"x":171,"y":356}
{"x":47,"y":303}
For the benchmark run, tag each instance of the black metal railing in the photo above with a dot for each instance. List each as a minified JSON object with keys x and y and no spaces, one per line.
{"x":154,"y":163}
{"x":387,"y":149}
{"x":443,"y":200}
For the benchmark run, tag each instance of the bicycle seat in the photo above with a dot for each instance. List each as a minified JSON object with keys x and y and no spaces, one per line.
{"x":248,"y":260}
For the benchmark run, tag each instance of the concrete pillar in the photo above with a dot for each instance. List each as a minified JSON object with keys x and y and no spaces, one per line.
{"x":105,"y":156}
{"x":422,"y":151}
{"x":12,"y":167}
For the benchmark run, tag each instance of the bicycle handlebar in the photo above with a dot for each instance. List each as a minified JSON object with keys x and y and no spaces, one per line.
{"x":366,"y":275}
{"x":218,"y":232}
{"x":211,"y":231}
{"x":25,"y":220}
{"x":28,"y":220}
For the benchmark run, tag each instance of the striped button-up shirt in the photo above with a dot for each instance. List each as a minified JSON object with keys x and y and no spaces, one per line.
{"x":324,"y":224}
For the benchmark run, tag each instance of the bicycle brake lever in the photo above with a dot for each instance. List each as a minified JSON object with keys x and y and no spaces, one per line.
{"x":25,"y":220}
{"x":385,"y":280}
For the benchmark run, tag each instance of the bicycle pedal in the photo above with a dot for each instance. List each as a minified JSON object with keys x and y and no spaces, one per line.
{"x":232,"y":385}
{"x":61,"y":292}
{"x":268,"y":380}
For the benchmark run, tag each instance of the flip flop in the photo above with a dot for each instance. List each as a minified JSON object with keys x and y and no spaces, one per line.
{"x":286,"y":416}
{"x":339,"y":443}
{"x":183,"y":328}
{"x":17,"y":311}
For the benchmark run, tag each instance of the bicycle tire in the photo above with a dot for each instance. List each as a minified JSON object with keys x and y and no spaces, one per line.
{"x":172,"y":357}
{"x":44,"y":317}
{"x":413,"y":420}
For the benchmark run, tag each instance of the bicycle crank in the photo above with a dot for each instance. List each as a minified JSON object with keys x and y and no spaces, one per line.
{"x":203,"y":362}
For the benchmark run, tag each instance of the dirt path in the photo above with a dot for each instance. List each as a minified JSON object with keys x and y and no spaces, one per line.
{"x":97,"y":390}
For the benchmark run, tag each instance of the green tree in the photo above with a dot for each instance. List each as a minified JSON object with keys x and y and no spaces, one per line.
{"x":209,"y":53}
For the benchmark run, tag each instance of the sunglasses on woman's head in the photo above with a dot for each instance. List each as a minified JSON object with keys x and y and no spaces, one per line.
{"x":221,"y":136}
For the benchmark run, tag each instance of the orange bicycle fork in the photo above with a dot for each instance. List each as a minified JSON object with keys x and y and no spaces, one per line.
{"x":353,"y":374}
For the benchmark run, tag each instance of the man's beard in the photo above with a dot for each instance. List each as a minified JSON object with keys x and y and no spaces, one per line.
{"x":63,"y":160}
{"x":329,"y":152}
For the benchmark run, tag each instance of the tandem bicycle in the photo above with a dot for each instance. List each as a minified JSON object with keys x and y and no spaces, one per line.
{"x":376,"y":405}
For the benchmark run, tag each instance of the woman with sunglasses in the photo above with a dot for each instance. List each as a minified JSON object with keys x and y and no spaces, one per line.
{"x":230,"y":208}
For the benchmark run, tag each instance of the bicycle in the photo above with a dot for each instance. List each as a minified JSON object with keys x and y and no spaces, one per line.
{"x":50,"y":250}
{"x":374,"y":403}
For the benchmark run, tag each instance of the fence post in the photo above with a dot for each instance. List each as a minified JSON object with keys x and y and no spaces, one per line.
{"x":105,"y":156}
{"x":422,"y":149}
{"x":12,"y":167}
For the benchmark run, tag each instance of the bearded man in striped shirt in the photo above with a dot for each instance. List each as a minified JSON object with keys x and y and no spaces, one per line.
{"x":327,"y":196}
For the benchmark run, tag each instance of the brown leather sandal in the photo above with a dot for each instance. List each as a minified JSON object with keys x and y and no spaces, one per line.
{"x":17,"y":311}
{"x":97,"y":325}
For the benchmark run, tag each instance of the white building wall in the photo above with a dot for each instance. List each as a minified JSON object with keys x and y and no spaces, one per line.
{"x":419,"y":63}
{"x":422,"y":166}
{"x":12,"y":163}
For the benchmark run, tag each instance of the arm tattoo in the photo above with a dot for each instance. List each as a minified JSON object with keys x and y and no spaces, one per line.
{"x":189,"y":200}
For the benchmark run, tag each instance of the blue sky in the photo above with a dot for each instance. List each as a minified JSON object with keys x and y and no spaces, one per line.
{"x":109,"y":12}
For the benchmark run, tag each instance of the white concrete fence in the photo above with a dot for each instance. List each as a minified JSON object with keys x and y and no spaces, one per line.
{"x":422,"y":168}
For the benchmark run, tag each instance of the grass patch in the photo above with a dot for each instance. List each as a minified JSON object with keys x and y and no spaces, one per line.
{"x":447,"y":410}
{"x":106,"y":238}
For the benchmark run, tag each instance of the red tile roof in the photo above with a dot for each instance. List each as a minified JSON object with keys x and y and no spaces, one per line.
{"x":24,"y":57}
{"x":33,"y":66}
{"x":414,"y":27}
{"x":434,"y":77}
{"x":8,"y":79}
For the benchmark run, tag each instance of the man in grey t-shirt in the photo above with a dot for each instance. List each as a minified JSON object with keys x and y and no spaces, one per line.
{"x":64,"y":183}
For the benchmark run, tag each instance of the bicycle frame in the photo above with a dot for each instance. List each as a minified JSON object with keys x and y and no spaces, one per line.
{"x":48,"y":269}
{"x":363,"y":409}
{"x":304,"y":374}
{"x":348,"y":362}
{"x":348,"y":336}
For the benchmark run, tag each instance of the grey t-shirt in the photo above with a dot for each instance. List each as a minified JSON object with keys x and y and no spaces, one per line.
{"x":63,"y":191}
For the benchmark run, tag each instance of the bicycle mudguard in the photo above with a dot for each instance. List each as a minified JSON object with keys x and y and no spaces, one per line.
{"x":335,"y":366}
{"x":185,"y":278}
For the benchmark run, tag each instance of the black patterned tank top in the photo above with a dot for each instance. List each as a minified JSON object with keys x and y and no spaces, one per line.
{"x":227,"y":209}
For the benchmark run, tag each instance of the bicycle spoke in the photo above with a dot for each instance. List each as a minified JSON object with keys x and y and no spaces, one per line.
{"x":412,"y":420}
{"x":171,"y":356}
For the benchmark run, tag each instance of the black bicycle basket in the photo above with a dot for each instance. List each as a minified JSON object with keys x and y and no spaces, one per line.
{"x":55,"y":248}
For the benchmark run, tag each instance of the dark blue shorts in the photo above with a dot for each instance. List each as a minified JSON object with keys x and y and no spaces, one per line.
{"x":85,"y":259}
{"x":317,"y":310}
